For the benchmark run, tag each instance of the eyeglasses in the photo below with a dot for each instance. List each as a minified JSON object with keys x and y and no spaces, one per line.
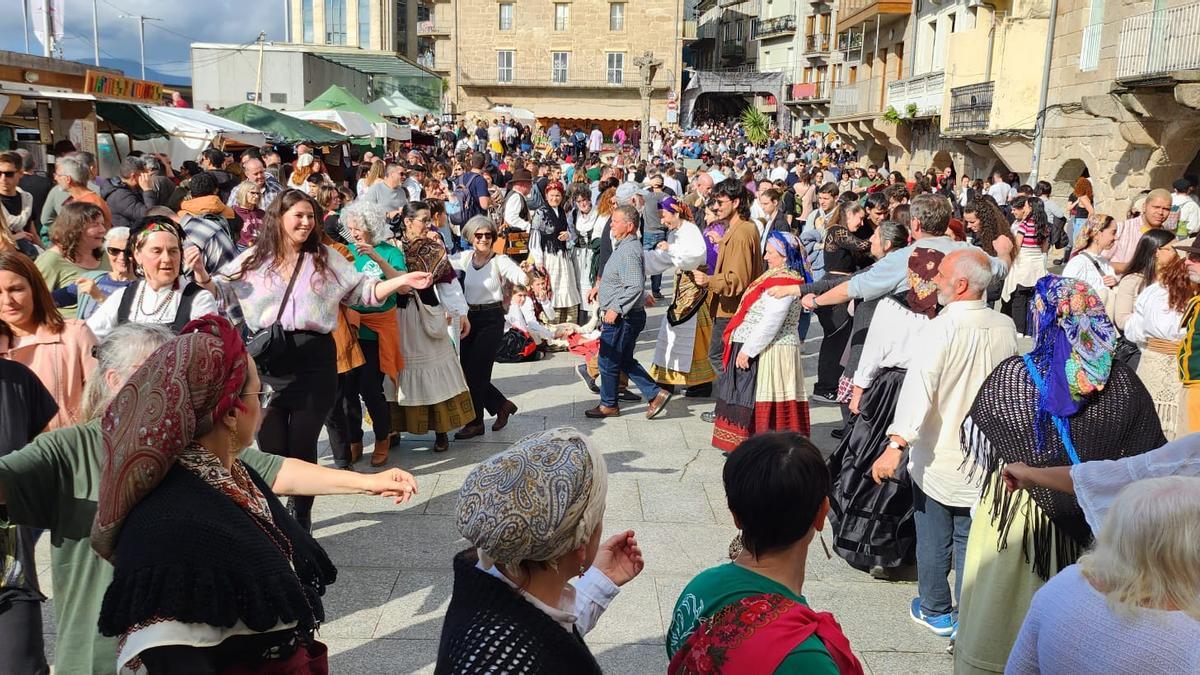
{"x":263,"y":397}
{"x":116,"y":252}
{"x":485,"y":235}
{"x":8,"y":174}
{"x":1193,"y":257}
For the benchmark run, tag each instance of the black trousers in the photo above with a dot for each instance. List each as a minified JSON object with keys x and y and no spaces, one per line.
{"x":836,"y":328}
{"x":291,"y":424}
{"x":478,"y":354}
{"x":716,"y":345}
{"x":369,"y":384}
{"x":344,"y":422}
{"x":22,"y":650}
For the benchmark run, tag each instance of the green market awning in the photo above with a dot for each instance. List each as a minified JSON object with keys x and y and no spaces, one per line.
{"x":287,"y":128}
{"x":130,"y":118}
{"x":337,"y":98}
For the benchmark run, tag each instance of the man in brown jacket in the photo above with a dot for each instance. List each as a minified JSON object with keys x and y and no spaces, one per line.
{"x":739,"y":262}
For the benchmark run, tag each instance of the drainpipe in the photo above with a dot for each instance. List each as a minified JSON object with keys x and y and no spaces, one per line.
{"x":1040,"y":128}
{"x":987,"y":68}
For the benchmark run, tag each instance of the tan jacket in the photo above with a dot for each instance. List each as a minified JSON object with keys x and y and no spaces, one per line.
{"x":63,"y":362}
{"x":739,"y":262}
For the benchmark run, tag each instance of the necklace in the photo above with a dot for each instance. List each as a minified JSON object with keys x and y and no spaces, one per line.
{"x":155,"y":315}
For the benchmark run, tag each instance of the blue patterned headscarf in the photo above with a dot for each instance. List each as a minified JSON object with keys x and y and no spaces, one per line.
{"x":788,"y":245}
{"x":1074,"y":342}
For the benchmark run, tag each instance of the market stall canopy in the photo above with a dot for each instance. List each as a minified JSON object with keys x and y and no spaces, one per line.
{"x":190,"y":131}
{"x":341,"y":121}
{"x":397,"y":105}
{"x":519,"y":114}
{"x":337,"y":98}
{"x":130,"y":118}
{"x":288,"y":129}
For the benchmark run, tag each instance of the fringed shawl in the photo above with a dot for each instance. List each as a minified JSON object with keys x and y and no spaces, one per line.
{"x":1117,"y":421}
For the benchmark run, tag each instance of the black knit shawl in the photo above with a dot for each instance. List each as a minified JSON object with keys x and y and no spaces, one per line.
{"x":1118,"y":421}
{"x":189,"y":553}
{"x":490,"y":628}
{"x":554,"y":223}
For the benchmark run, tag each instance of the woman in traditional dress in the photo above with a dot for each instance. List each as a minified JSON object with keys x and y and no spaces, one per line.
{"x":1087,"y":264}
{"x":588,"y":224}
{"x":210,"y":572}
{"x":431,"y":390}
{"x":550,"y":250}
{"x":537,"y":576}
{"x":1156,"y":326}
{"x":681,"y":353}
{"x":750,"y":615}
{"x":762,"y":385}
{"x":1063,"y":403}
{"x":872,"y":524}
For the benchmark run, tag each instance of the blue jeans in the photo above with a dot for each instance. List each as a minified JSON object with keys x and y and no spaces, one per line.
{"x":941,"y":538}
{"x":617,"y":342}
{"x":649,"y":241}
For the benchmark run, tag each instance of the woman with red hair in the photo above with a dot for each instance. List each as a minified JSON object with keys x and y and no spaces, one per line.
{"x":549,"y":249}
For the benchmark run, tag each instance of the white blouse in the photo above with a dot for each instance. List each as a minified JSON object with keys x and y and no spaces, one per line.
{"x":1153,"y":318}
{"x":583,"y":600}
{"x":486,"y":285}
{"x":775,"y":311}
{"x":523,"y":317}
{"x":890,"y":340}
{"x":685,"y":250}
{"x":104,"y":320}
{"x":1081,"y":267}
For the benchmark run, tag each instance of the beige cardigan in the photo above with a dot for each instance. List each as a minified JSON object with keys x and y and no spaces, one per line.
{"x":1127,"y":291}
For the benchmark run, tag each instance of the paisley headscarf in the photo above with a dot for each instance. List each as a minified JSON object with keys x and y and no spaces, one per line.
{"x":922,"y":296}
{"x":1073,"y":343}
{"x":535,"y":501}
{"x":179,"y":393}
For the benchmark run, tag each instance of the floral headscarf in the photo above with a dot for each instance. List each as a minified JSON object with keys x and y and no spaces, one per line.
{"x":1073,"y":343}
{"x":535,"y":501}
{"x":922,"y":296}
{"x":181,"y":390}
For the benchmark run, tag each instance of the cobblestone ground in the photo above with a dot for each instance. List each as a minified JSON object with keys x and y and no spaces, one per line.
{"x":394,"y":580}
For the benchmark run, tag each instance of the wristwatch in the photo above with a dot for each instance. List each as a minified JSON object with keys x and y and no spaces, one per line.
{"x":893,"y":445}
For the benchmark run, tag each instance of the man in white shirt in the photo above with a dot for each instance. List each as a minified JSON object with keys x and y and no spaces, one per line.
{"x":1001,"y":191}
{"x":595,"y":141}
{"x":960,"y":348}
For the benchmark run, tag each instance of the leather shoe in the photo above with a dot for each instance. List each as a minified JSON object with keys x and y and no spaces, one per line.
{"x":708,"y":417}
{"x":626,"y":395}
{"x":470,"y":431}
{"x":380,"y":456}
{"x":699,"y":391}
{"x":508,"y":409}
{"x":838,"y":433}
{"x":657,"y":404}
{"x":441,"y":442}
{"x":355,"y":452}
{"x":602,"y":411}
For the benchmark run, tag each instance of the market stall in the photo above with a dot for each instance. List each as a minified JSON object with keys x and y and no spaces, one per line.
{"x":190,"y":131}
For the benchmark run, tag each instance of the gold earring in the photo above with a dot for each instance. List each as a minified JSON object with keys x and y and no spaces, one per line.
{"x":233,"y":442}
{"x":581,"y":570}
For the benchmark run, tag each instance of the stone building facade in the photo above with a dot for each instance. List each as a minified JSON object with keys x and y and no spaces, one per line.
{"x":1124,"y":98}
{"x":565,"y":61}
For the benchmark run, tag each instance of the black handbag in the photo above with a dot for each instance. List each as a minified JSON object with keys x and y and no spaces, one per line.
{"x":269,"y":344}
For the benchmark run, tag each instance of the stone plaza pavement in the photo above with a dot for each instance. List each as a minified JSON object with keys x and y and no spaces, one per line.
{"x":394,"y":562}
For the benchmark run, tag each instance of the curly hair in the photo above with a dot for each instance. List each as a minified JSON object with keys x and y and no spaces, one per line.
{"x":73,"y":218}
{"x":991,"y":223}
{"x":1173,"y":276}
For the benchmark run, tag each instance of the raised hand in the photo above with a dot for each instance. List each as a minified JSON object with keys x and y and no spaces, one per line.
{"x":620,"y":558}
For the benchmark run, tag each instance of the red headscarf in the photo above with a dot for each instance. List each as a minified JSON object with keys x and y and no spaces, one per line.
{"x":180,"y":392}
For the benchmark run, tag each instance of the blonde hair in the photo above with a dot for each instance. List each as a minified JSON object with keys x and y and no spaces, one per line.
{"x":1147,"y":555}
{"x":374,"y":173}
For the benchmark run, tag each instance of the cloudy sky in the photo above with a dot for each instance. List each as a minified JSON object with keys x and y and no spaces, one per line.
{"x":183,"y":22}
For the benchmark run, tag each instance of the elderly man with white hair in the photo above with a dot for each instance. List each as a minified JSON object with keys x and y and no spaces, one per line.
{"x":960,"y":348}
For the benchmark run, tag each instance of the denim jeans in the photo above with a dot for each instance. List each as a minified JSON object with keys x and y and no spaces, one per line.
{"x":617,"y":342}
{"x":649,"y":241}
{"x":941,"y":538}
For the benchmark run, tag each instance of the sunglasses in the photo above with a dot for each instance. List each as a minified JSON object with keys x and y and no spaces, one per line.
{"x":263,"y":397}
{"x":485,"y":235}
{"x":116,"y":252}
{"x":8,"y":174}
{"x":1193,"y":257}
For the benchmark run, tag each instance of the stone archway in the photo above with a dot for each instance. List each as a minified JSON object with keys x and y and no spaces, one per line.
{"x":733,"y":82}
{"x":941,"y":159}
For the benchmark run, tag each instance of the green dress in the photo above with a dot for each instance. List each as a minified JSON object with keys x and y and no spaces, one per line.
{"x":716,"y":587}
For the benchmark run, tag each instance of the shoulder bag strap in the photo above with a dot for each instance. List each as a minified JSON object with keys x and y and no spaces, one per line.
{"x":1064,"y":426}
{"x":292,"y":282}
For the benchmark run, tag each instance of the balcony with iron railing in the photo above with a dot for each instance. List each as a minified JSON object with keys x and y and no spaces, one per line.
{"x":850,"y":44}
{"x":922,"y":91}
{"x":852,"y":13}
{"x":817,"y":44}
{"x":810,"y":92}
{"x":432,"y":27}
{"x":769,"y":28}
{"x":1158,"y":43}
{"x":574,"y":78}
{"x":733,"y":50}
{"x":971,"y":107}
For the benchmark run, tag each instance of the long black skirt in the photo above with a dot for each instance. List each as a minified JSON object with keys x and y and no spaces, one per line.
{"x":871,"y":524}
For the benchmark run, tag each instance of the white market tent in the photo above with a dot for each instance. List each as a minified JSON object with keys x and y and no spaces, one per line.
{"x":519,"y":114}
{"x":191,"y":131}
{"x":397,"y":105}
{"x":345,"y":122}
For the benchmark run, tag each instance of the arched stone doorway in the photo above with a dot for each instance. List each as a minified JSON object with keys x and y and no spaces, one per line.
{"x":1071,"y":171}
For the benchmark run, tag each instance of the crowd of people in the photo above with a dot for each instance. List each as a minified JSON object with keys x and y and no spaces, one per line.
{"x":173,"y":342}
